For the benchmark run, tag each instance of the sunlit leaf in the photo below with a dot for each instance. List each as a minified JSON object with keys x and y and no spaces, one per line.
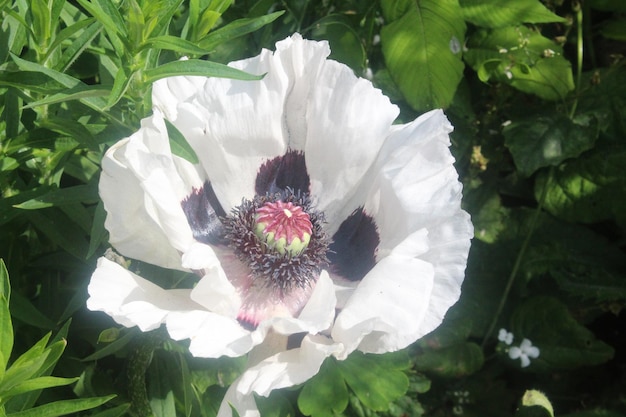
{"x":375,"y":379}
{"x":586,"y":189}
{"x":522,"y":58}
{"x":37,"y":384}
{"x":62,"y":408}
{"x":550,"y":139}
{"x":326,"y":394}
{"x":197,"y":67}
{"x":179,"y":145}
{"x":499,"y":13}
{"x":422,"y":45}
{"x":236,"y":29}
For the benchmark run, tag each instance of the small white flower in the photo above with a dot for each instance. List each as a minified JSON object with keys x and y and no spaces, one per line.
{"x":376,"y":39}
{"x":506,"y":337}
{"x":308,"y":213}
{"x":524,"y":352}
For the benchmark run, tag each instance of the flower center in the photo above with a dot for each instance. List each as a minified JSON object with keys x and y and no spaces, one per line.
{"x":280,"y":238}
{"x":284,"y":226}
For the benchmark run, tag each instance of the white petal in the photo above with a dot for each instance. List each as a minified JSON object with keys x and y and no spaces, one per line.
{"x":215,"y":292}
{"x":525,"y":361}
{"x":288,"y":368}
{"x":131,"y":300}
{"x":526,"y":344}
{"x":414,"y":188}
{"x":316,"y":316}
{"x":199,"y":256}
{"x":243,"y":403}
{"x":515,"y":352}
{"x":386,"y":310}
{"x":141,"y":187}
{"x":348,"y":121}
{"x":212,"y":335}
{"x":533,"y":352}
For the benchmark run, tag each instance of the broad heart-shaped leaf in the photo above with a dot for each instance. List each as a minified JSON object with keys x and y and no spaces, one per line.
{"x":326,"y":394}
{"x":499,"y":13}
{"x":422,"y":46}
{"x":376,"y":380}
{"x":590,"y":188}
{"x":563,"y":342}
{"x":453,"y":361}
{"x":582,"y":262}
{"x":546,"y":140}
{"x":523,"y":58}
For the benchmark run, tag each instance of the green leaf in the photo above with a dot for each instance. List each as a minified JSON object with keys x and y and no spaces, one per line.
{"x":174,"y":43}
{"x":197,"y":67}
{"x":562,"y":341}
{"x":108,"y":15}
{"x":236,"y":29}
{"x":65,"y":80}
{"x":60,"y":230}
{"x":179,"y":145}
{"x":76,"y":93}
{"x":98,"y":233}
{"x":6,"y":326}
{"x":78,"y":46}
{"x":422,"y":46}
{"x":345,"y":43}
{"x":26,"y":312}
{"x":118,"y":411}
{"x":326,"y":394}
{"x":585,"y":189}
{"x":454,"y":361}
{"x":614,"y":29}
{"x":522,"y":58}
{"x":545,"y":140}
{"x":537,"y":398}
{"x":62,"y":408}
{"x":111,"y":348}
{"x":87,"y":193}
{"x":499,"y":13}
{"x":376,"y":380}
{"x":608,"y":5}
{"x":36,"y":384}
{"x":582,"y":262}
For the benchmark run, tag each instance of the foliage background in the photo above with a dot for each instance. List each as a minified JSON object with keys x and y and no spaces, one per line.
{"x":537,"y":94}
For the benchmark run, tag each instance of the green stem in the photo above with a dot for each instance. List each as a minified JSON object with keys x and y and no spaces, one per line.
{"x":518,"y":260}
{"x":139,"y":361}
{"x":579,"y":54}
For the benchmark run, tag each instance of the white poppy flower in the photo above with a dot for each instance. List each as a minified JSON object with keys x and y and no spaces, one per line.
{"x":524,"y":352}
{"x":309,"y":214}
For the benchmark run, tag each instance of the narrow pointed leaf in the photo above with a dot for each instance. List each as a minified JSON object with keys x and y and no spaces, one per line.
{"x":62,"y":408}
{"x":235,"y":29}
{"x":197,"y":67}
